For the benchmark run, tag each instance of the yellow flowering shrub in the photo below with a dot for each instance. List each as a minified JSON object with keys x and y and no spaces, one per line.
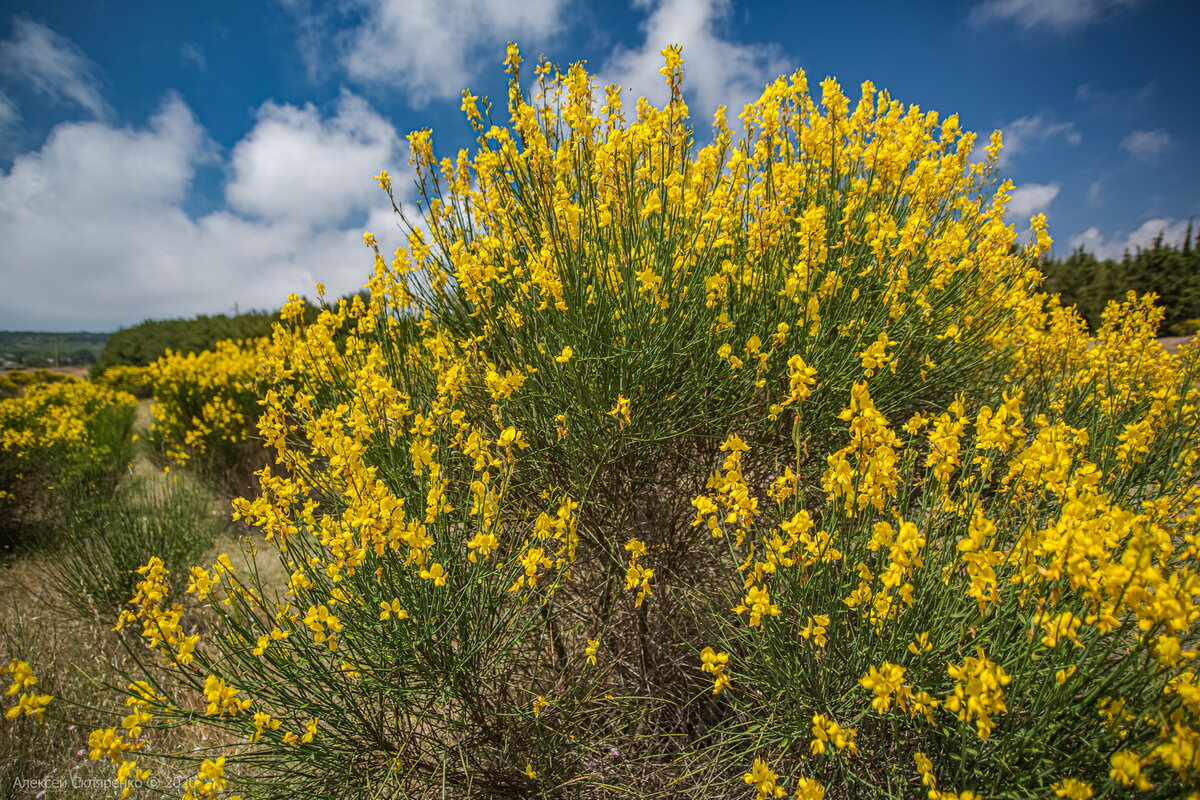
{"x":126,"y":378}
{"x":753,"y":469}
{"x":13,"y":382}
{"x":57,"y":437}
{"x":205,"y":408}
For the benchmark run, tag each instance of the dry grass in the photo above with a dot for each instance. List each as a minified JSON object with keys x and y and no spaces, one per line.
{"x":76,"y":658}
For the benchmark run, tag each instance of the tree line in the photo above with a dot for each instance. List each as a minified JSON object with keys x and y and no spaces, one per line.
{"x":141,"y":344}
{"x":1170,"y":271}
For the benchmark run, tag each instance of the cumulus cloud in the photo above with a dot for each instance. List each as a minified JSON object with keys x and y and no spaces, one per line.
{"x":1116,"y":244}
{"x":1029,"y":199}
{"x":1028,"y":133}
{"x":1146,"y":145}
{"x":432,"y":48}
{"x":1059,"y":16}
{"x":97,"y":236}
{"x":295,"y":166}
{"x":52,"y":65}
{"x":718,"y":71}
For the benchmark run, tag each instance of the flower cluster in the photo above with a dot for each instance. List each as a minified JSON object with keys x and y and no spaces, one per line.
{"x":28,"y":702}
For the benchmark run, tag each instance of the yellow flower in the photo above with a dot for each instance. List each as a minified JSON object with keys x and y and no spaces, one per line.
{"x":510,"y":437}
{"x":887,"y":684}
{"x":1072,"y":789}
{"x":1127,"y":770}
{"x":827,"y":732}
{"x":481,"y":545}
{"x":435,"y":572}
{"x":764,"y":780}
{"x":388,"y":609}
{"x":565,"y":356}
{"x":978,"y":691}
{"x":621,"y":409}
{"x":222,"y":698}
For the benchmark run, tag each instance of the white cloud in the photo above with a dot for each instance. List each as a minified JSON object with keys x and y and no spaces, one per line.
{"x":295,"y":166}
{"x":53,"y":65}
{"x":1026,"y":133}
{"x":717,"y":71}
{"x":431,"y":48}
{"x":1109,"y":101}
{"x":1056,"y":15}
{"x":97,"y":236}
{"x":1117,"y":244}
{"x":1029,"y":199}
{"x":10,"y":115}
{"x":192,"y":53}
{"x":1146,"y":145}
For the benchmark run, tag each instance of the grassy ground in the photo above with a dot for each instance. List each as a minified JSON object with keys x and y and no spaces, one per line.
{"x":75,"y":655}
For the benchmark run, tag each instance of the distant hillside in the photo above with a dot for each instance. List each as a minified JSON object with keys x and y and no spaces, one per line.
{"x":41,"y":349}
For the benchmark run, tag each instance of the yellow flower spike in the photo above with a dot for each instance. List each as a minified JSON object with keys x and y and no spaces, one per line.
{"x":30,"y":704}
{"x":222,"y":698}
{"x":887,"y":684}
{"x":470,"y":108}
{"x":816,"y":629}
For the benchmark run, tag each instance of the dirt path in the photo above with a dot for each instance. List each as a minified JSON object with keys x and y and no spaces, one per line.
{"x":1172,"y":343}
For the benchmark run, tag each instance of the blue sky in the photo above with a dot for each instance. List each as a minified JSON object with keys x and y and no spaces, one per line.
{"x":162,"y":159}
